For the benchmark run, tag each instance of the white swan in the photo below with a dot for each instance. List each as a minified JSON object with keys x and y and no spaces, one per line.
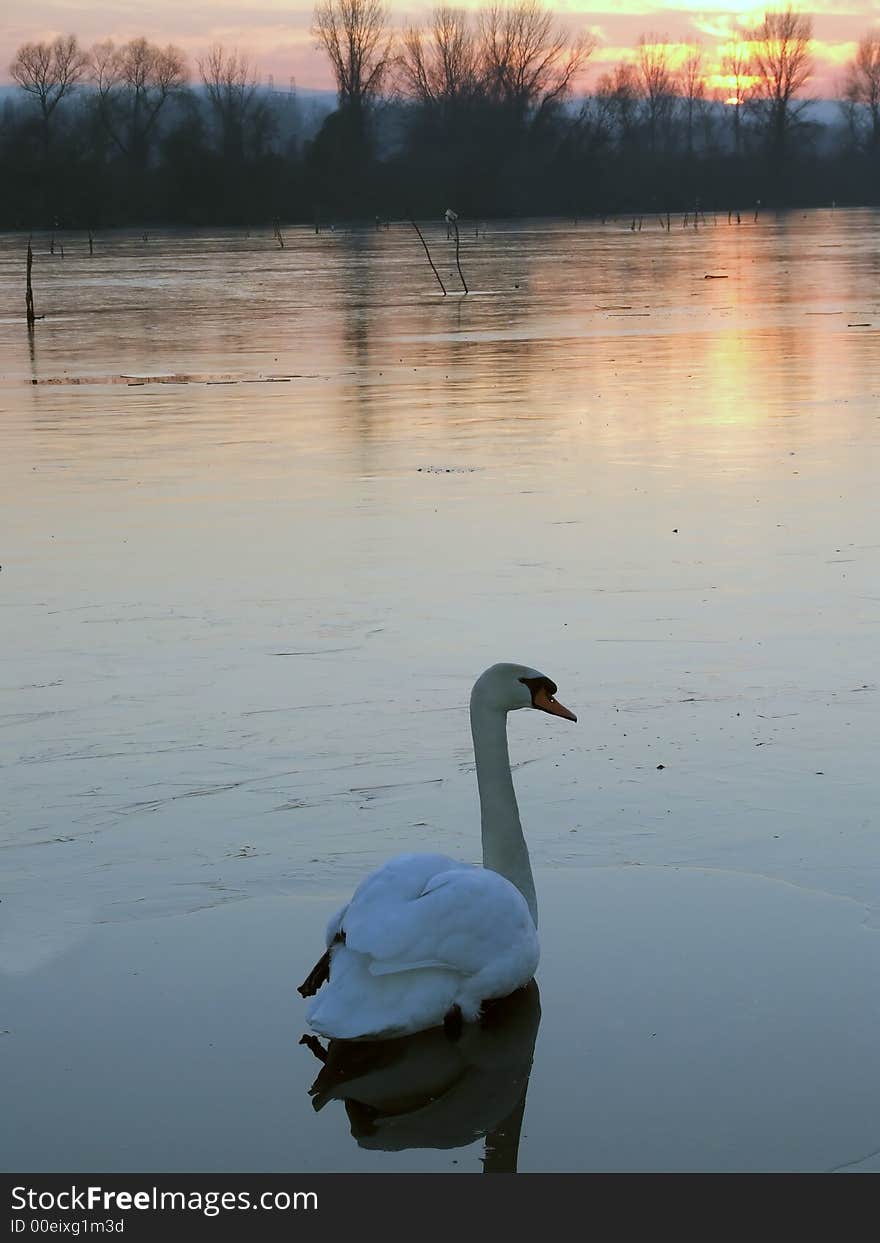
{"x":426,"y":940}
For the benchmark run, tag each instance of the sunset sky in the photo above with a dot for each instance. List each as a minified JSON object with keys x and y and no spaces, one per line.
{"x":276,"y":33}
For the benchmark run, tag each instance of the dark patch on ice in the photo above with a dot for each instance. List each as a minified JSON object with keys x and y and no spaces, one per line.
{"x":318,"y":651}
{"x":175,"y":378}
{"x":371,"y":792}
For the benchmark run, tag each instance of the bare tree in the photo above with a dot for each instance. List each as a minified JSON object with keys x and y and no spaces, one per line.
{"x":48,"y":72}
{"x":231,"y":86}
{"x":736,"y":64}
{"x":862,"y":84}
{"x":438,"y":66}
{"x":781,"y":67}
{"x":528,"y":63}
{"x":658,"y":85}
{"x":133,"y":84}
{"x":356,"y":37}
{"x":693,"y":90}
{"x":617,"y":102}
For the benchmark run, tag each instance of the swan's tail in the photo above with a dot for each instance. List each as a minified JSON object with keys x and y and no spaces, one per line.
{"x":318,"y":975}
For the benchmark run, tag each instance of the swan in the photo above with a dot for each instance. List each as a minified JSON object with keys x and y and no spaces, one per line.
{"x":425,"y":940}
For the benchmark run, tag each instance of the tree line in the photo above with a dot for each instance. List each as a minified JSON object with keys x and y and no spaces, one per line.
{"x":477,"y":111}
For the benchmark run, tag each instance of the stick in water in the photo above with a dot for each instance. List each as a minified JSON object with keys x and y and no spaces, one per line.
{"x":29,"y":296}
{"x":457,"y":261}
{"x":428,"y":253}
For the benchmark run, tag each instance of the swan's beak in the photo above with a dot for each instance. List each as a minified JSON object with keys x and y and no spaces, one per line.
{"x":546,"y":702}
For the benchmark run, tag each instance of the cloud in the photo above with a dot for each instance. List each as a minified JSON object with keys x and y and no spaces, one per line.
{"x":277,"y":35}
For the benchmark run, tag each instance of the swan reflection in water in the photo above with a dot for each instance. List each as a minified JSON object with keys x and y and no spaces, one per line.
{"x":427,"y":1091}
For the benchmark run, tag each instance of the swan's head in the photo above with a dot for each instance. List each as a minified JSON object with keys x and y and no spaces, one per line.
{"x":507,"y":687}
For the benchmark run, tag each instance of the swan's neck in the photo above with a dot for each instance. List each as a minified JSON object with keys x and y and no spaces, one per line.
{"x":504,"y":847}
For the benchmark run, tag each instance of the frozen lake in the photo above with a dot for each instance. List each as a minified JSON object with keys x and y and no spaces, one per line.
{"x":266,"y":515}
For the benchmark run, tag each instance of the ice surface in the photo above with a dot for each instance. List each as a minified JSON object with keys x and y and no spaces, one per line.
{"x":267,"y":514}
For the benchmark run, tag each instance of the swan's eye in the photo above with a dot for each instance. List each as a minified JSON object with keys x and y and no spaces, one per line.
{"x":540,"y":684}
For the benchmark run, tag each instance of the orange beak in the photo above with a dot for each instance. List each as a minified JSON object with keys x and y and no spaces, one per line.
{"x":547,"y":703}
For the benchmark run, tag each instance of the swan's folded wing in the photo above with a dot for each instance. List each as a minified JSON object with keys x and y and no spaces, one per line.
{"x":460,"y":917}
{"x":381,"y":901}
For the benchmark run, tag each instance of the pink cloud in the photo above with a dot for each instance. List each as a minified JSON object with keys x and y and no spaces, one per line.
{"x":277,"y":36}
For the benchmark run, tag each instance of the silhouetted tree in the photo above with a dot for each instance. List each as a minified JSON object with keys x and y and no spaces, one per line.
{"x":617,"y":103}
{"x":356,"y":37}
{"x":438,"y":67}
{"x":781,"y":67}
{"x":693,"y":91}
{"x":438,"y":77}
{"x":658,"y":85}
{"x":736,"y":65}
{"x":527,"y":61}
{"x":133,"y":84}
{"x":239,"y":113}
{"x":48,"y":72}
{"x":862,"y":85}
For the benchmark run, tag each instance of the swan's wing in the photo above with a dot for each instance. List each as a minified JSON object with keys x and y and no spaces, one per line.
{"x":380,"y":897}
{"x":402,"y":877}
{"x":430,"y":911}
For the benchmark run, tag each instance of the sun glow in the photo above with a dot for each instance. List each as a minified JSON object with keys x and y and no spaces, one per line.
{"x":727,"y":84}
